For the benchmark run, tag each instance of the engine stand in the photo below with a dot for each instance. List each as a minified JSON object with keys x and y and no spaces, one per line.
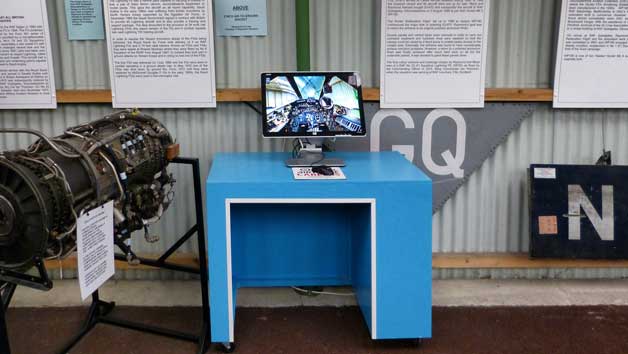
{"x":9,"y":280}
{"x":99,"y":311}
{"x":6,"y":293}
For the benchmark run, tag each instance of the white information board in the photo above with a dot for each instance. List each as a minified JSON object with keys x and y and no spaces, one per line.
{"x":161,"y":53}
{"x":592,"y":56}
{"x":26,"y":72}
{"x":433,"y":53}
{"x":94,"y":243}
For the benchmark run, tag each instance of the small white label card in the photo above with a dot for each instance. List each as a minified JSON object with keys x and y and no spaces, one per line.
{"x":94,"y":239}
{"x":545,"y":172}
{"x":307,"y":173}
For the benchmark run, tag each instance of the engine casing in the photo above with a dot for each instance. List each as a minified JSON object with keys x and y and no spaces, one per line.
{"x":121,"y":157}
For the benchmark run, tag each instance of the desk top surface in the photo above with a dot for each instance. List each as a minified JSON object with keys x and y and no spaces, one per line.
{"x":270,"y":168}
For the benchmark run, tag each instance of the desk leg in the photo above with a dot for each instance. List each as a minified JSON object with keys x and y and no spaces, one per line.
{"x":404,"y":264}
{"x":363,"y":241}
{"x":222,"y":292}
{"x":228,"y":346}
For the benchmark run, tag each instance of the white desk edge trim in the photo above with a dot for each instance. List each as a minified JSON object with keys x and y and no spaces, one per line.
{"x":371,"y":201}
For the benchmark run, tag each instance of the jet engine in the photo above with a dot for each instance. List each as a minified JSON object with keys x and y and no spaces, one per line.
{"x":122,"y":157}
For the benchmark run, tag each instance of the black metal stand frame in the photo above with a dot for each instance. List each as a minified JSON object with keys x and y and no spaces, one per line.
{"x":39,"y":282}
{"x":99,"y":311}
{"x":9,"y":280}
{"x":6,"y":293}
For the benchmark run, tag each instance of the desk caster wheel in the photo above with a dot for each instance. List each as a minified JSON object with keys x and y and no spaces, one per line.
{"x":227,"y":347}
{"x":417,"y":343}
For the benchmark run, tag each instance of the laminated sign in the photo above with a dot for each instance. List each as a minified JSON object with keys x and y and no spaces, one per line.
{"x":161,"y":53}
{"x":94,"y":242}
{"x":27,"y":78}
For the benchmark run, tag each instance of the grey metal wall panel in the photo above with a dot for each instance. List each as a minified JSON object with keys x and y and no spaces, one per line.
{"x":488,"y":214}
{"x":201,"y":132}
{"x":345,"y":35}
{"x":521,"y":42}
{"x":554,"y":273}
{"x":78,"y":64}
{"x":239,"y":60}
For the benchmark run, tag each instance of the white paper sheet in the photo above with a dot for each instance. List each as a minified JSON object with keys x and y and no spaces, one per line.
{"x":94,"y":240}
{"x":161,"y":53}
{"x":307,"y":173}
{"x":433,"y":53}
{"x":26,"y":72}
{"x":592,"y":56}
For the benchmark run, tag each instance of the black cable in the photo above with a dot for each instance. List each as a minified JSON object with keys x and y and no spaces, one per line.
{"x":313,"y":164}
{"x":295,"y":148}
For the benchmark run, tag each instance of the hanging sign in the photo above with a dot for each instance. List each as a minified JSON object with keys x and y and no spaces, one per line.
{"x":94,"y":243}
{"x":241,"y":18}
{"x":592,"y":56}
{"x":84,"y":19}
{"x":433,"y":53}
{"x":26,"y":71}
{"x":161,"y":53}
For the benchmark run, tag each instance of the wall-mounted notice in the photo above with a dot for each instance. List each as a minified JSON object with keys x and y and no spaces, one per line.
{"x":26,"y":73}
{"x":84,"y":19}
{"x":433,"y":53}
{"x":94,"y":244}
{"x":592,"y":56}
{"x":161,"y":53}
{"x":241,"y":17}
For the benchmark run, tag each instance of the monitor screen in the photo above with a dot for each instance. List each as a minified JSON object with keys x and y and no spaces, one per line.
{"x":312,"y":104}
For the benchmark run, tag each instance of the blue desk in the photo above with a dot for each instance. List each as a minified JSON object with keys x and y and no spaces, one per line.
{"x":372,"y":231}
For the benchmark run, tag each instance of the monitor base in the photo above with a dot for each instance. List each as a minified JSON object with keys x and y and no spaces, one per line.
{"x":311,"y":155}
{"x":298,"y":162}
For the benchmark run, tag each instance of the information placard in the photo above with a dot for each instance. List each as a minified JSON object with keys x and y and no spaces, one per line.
{"x":433,"y":53}
{"x":94,"y":243}
{"x":592,"y":56}
{"x":84,"y":19}
{"x":26,"y":71}
{"x":161,"y":53}
{"x":241,"y":18}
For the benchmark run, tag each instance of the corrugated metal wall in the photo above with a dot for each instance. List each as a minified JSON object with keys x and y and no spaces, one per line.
{"x":488,"y":214}
{"x":233,"y":127}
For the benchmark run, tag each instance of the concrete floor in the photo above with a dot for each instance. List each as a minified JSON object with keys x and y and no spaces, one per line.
{"x":445,"y":293}
{"x":334,"y":330}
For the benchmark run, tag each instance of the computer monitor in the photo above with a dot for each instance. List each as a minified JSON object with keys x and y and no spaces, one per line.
{"x":312,"y":104}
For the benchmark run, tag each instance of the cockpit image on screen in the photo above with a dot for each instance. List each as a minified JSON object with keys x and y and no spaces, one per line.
{"x":312,"y":104}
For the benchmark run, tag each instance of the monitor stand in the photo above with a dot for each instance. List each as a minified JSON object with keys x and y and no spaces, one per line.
{"x":311,"y":154}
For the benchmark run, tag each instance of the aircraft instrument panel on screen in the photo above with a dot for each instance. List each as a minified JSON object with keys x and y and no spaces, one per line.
{"x":312,"y":104}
